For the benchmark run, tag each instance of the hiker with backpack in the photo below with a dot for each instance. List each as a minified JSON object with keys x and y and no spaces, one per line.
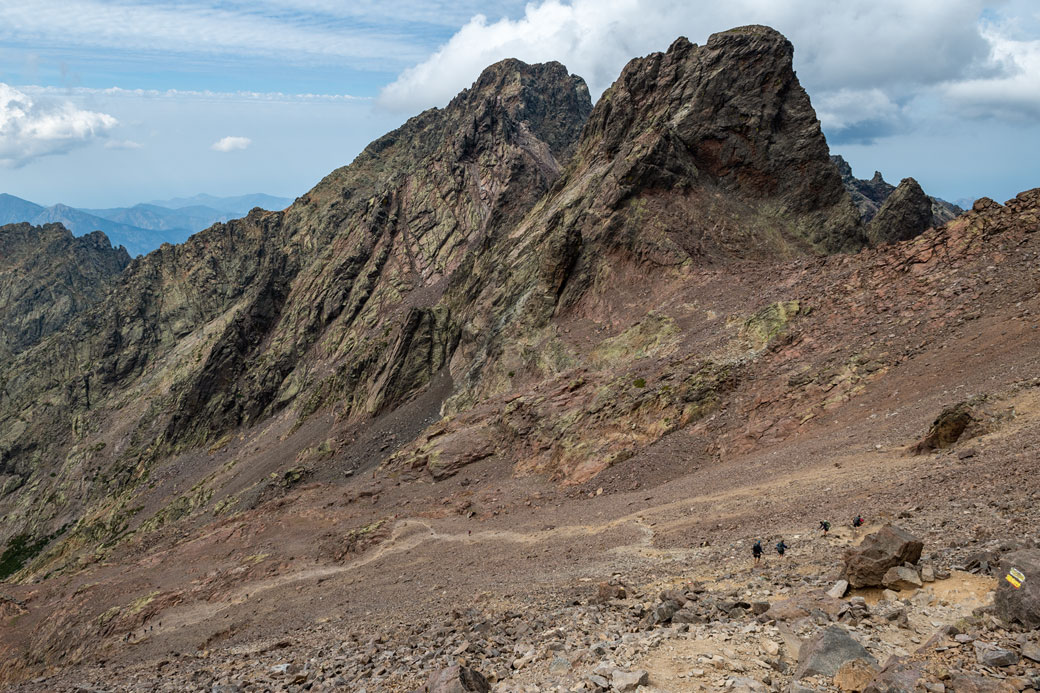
{"x":857,"y":522}
{"x":756,"y":551}
{"x":825,"y":526}
{"x":781,"y":547}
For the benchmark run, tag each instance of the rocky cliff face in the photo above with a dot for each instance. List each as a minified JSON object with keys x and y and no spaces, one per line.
{"x":870,"y":195}
{"x":47,"y":276}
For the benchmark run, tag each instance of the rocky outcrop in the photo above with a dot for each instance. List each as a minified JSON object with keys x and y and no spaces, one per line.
{"x":718,"y":127}
{"x":869,"y":196}
{"x":905,"y":214}
{"x":47,"y":277}
{"x":1019,"y":603}
{"x":890,"y":546}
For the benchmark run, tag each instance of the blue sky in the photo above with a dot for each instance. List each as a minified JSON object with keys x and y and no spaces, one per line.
{"x":106,"y":102}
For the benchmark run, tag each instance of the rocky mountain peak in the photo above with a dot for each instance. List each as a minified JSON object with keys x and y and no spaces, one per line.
{"x":551,"y":104}
{"x":905,"y":214}
{"x":870,"y":195}
{"x":727,"y":116}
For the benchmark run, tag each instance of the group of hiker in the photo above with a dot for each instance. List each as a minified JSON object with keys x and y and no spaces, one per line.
{"x":781,"y":546}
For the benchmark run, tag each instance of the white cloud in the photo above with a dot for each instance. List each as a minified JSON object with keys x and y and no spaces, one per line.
{"x":1012,"y":91}
{"x":886,"y":44}
{"x":190,"y":94}
{"x":123,"y":144}
{"x":230,"y":144}
{"x":859,"y":115}
{"x":195,"y":27}
{"x":30,"y":129}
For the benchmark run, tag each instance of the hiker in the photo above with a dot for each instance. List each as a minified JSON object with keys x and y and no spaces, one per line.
{"x":858,"y":521}
{"x":756,"y":551}
{"x":825,"y":526}
{"x":781,"y":547}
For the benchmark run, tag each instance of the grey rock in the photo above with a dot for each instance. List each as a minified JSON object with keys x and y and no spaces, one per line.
{"x":992,"y":656}
{"x":626,"y":681}
{"x":825,"y":652}
{"x":1020,"y":605}
{"x":890,"y":546}
{"x":901,"y":578}
{"x":839,"y":589}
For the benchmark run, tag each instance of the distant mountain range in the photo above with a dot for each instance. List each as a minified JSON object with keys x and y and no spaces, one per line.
{"x":143,"y":227}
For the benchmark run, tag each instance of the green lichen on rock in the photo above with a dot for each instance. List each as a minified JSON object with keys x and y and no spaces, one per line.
{"x":762,"y":327}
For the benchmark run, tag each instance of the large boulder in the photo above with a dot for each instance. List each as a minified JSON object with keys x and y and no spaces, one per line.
{"x":457,"y":679}
{"x":1019,"y":604}
{"x":825,"y":652}
{"x":890,"y":546}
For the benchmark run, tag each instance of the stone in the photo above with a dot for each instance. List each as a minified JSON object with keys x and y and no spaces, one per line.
{"x":899,"y":675}
{"x":927,"y":574}
{"x":855,"y":675}
{"x":1019,"y":605}
{"x":1031,"y":650}
{"x":839,"y":589}
{"x":970,"y":683}
{"x":559,"y":665}
{"x":759,"y":608}
{"x":770,"y":647}
{"x":688,"y":615}
{"x":606,"y":591}
{"x":796,"y":687}
{"x":825,"y":652}
{"x":890,"y":546}
{"x":627,"y":681}
{"x":664,"y":611}
{"x":901,"y":578}
{"x":226,"y":688}
{"x":992,"y":656}
{"x":457,"y":679}
{"x":746,"y":684}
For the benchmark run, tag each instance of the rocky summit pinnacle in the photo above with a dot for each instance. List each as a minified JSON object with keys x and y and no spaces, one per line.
{"x":727,"y":127}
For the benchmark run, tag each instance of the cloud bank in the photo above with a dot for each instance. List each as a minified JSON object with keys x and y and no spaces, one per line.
{"x":230,"y":144}
{"x":30,"y":129}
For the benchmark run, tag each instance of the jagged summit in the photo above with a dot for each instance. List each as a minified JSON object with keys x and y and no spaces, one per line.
{"x":730,"y":118}
{"x":906,"y":213}
{"x":870,"y":195}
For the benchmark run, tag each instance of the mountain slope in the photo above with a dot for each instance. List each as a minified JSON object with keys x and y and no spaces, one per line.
{"x":230,"y":327}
